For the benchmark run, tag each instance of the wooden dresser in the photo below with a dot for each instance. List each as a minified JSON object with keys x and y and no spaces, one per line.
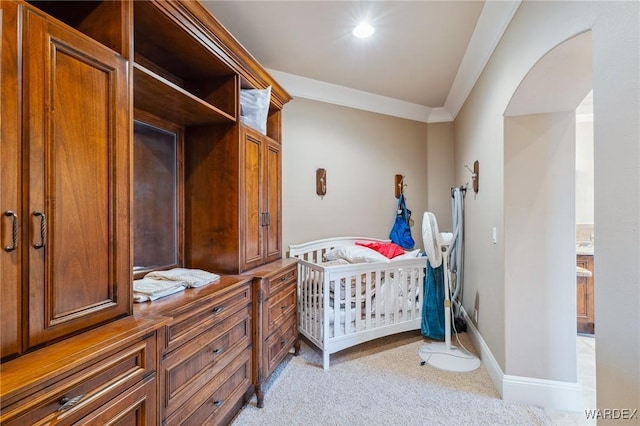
{"x":109,"y":373}
{"x":206,"y":359}
{"x":276,"y":319}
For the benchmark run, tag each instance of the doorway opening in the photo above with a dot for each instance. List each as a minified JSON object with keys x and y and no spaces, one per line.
{"x":585,"y":248}
{"x":540,"y":216}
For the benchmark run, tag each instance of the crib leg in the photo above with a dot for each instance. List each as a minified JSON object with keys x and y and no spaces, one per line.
{"x":325,"y":360}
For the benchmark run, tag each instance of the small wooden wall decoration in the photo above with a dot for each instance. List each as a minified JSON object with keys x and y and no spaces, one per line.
{"x":399,"y":185}
{"x":476,"y":176}
{"x":321,"y":182}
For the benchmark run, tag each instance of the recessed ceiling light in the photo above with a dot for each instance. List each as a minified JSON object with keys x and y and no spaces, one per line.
{"x":363,"y":30}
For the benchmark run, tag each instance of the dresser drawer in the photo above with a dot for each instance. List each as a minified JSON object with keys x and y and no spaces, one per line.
{"x":190,"y":322}
{"x":69,"y":399}
{"x":279,"y":343}
{"x":279,"y":307}
{"x":236,"y":380}
{"x":192,"y":366}
{"x":217,"y":398}
{"x":136,"y":407}
{"x":285,"y":278}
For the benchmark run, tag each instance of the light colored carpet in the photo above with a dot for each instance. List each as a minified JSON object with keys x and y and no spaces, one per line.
{"x":382,"y":383}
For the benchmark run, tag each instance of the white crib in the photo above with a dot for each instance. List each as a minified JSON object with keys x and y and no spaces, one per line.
{"x":371,"y":300}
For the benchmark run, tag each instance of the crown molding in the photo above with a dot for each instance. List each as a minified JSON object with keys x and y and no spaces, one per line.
{"x":492,"y":23}
{"x":439,"y":115}
{"x":303,"y":87}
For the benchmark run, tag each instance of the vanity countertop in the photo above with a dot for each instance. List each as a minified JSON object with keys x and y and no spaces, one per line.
{"x":582,"y":250}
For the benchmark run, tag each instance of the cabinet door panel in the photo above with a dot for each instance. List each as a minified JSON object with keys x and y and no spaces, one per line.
{"x":9,"y":182}
{"x":273,"y":202}
{"x":251,"y":214}
{"x":78,"y":159}
{"x":584,"y":297}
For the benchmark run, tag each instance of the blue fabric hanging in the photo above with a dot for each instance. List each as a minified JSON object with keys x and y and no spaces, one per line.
{"x":401,"y":230}
{"x":433,"y":303}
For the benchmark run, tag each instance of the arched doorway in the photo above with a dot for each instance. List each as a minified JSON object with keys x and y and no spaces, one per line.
{"x":539,"y":215}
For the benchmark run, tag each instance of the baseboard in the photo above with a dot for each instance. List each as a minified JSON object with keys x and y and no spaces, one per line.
{"x":549,"y":394}
{"x":487,"y":358}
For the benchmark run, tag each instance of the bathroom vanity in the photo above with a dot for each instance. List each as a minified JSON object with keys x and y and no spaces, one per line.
{"x":584,"y":291}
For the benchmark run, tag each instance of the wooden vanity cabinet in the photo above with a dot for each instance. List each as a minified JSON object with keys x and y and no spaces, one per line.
{"x":276,"y":316}
{"x":67,"y":141}
{"x":585,"y":296}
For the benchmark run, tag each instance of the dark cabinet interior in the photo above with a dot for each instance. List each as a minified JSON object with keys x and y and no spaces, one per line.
{"x":158,"y":194}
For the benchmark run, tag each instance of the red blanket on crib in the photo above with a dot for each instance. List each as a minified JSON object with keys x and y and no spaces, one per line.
{"x":389,"y":250}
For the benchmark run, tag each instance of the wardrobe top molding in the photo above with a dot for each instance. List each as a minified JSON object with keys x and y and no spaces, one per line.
{"x":188,"y":27}
{"x":196,"y":16}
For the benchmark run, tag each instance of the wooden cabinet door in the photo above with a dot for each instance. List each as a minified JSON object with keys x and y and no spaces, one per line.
{"x":261,"y":199}
{"x":251,"y":214}
{"x":272,"y":201}
{"x":76,"y":135}
{"x":585,"y":297}
{"x":10,"y":203}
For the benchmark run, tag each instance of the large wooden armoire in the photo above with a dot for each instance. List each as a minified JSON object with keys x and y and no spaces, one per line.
{"x":123,"y":152}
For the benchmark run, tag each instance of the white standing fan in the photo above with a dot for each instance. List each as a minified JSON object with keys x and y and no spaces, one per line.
{"x":437,"y":354}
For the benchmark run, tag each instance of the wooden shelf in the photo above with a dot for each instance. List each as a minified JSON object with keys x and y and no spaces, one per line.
{"x":165,"y":99}
{"x":178,"y":45}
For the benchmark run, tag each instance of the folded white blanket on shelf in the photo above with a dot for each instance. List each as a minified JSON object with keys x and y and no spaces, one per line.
{"x":147,"y":289}
{"x":191,"y":277}
{"x":152,"y":286}
{"x":142,"y":297}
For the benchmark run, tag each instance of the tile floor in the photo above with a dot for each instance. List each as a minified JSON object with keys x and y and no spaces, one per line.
{"x":586,"y":362}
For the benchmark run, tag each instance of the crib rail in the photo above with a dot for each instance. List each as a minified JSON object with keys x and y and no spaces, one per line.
{"x":314,"y":251}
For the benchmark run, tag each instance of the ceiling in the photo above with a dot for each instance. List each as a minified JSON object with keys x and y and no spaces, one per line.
{"x":424,"y":55}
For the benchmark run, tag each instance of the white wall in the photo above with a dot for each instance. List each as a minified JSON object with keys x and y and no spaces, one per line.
{"x":539,"y":240}
{"x":362,"y":152}
{"x":535,"y":30}
{"x":616,"y":99}
{"x":584,"y":172}
{"x":440,"y":173}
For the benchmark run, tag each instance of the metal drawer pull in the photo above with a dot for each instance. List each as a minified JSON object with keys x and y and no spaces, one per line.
{"x":218,"y":351}
{"x":265,"y":219}
{"x":283,"y":342}
{"x":283,"y":278}
{"x":218,"y":309}
{"x":283,"y":307}
{"x":14,"y":238}
{"x":43,"y":229}
{"x":66,"y":403}
{"x":218,"y":402}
